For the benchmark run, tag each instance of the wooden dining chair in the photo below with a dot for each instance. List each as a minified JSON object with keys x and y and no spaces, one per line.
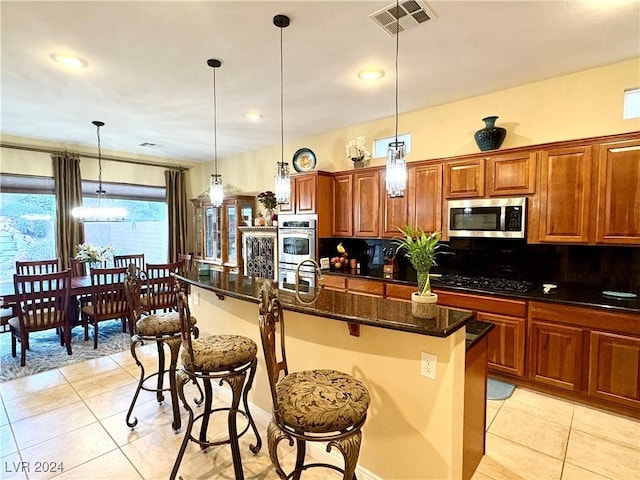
{"x":41,"y":301}
{"x":160,"y":293}
{"x":125,"y":260}
{"x":108,"y":301}
{"x":35,"y":267}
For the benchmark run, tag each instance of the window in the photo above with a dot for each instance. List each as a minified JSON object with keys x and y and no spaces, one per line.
{"x":27,"y":223}
{"x":381,"y":145}
{"x":631,"y":104}
{"x":146,"y":229}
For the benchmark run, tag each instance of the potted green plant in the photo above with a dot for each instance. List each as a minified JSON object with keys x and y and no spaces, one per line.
{"x":421,"y":249}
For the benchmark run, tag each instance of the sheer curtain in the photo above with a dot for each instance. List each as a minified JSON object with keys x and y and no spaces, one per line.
{"x":68,"y":188}
{"x":175,"y":182}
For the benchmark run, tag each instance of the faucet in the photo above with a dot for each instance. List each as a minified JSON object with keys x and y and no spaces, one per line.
{"x":319,"y":277}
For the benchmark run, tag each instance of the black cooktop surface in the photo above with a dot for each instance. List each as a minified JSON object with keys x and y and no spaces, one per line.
{"x":485,"y":283}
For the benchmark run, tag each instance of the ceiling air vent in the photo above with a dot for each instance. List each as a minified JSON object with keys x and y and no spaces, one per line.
{"x":410,"y":12}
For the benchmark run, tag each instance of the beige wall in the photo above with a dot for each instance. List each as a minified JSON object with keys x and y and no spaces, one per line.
{"x":414,"y":424}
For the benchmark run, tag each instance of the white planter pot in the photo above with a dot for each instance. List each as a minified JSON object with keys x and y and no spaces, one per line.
{"x":424,"y":306}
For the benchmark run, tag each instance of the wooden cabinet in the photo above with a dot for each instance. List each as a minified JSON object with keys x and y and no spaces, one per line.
{"x":393,"y":213}
{"x":564,"y":202}
{"x":311,"y":193}
{"x":510,"y":175}
{"x":335,"y":282}
{"x":614,"y":372}
{"x":366,"y":203}
{"x":618,"y":194}
{"x":464,"y":179}
{"x":342,"y":205}
{"x":506,"y":343}
{"x":364,"y":286}
{"x":424,"y":192}
{"x":556,"y":354}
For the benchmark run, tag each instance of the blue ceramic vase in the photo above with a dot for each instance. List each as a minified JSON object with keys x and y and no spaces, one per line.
{"x":490,"y":137}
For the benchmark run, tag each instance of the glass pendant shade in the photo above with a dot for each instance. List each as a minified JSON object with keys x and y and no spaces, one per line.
{"x":216,"y":190}
{"x":396,"y":174}
{"x":283,"y":183}
{"x":102,"y":211}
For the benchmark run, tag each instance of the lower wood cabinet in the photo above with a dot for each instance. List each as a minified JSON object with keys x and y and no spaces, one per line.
{"x":614,"y":372}
{"x":506,"y":343}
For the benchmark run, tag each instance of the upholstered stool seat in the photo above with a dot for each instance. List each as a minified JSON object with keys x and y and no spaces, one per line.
{"x":322,"y":401}
{"x":161,"y":324}
{"x":229,"y":359}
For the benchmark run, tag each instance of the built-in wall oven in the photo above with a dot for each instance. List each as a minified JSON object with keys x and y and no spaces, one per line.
{"x":296,"y":242}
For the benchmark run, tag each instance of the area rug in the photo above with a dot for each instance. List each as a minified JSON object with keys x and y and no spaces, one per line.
{"x":499,"y":390}
{"x":45,"y":352}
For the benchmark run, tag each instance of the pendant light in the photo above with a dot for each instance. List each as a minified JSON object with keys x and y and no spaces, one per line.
{"x":102,"y":211}
{"x":216,"y":189}
{"x":283,"y":181}
{"x":396,"y":174}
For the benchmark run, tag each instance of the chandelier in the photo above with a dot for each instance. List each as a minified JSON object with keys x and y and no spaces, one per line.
{"x":396,"y":173}
{"x":216,"y":189}
{"x":102,"y":211}
{"x":283,"y":181}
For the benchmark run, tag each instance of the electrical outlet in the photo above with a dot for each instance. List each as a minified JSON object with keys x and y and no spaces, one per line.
{"x":428,"y":364}
{"x":195,"y":298}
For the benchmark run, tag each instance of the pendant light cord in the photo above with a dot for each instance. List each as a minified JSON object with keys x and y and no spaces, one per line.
{"x":397,"y":53}
{"x":215,"y":126}
{"x":281,"y":101}
{"x":99,"y":161}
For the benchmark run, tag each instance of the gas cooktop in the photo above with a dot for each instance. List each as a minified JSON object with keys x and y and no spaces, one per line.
{"x":485,"y":283}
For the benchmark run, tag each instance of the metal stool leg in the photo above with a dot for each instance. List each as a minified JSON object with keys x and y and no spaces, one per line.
{"x":236,"y":382}
{"x":135,"y":341}
{"x":181,"y":379}
{"x":174,"y":346}
{"x":245,"y":400}
{"x":350,"y":449}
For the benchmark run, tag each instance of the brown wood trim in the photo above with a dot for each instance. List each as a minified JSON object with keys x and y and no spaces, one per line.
{"x":500,"y":306}
{"x":354,"y":329}
{"x":592,"y":318}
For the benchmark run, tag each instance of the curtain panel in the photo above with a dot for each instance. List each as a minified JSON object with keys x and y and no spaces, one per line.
{"x":175,"y":182}
{"x":68,"y":189}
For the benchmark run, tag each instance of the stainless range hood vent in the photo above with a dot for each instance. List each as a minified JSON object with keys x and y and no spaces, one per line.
{"x":411,"y":13}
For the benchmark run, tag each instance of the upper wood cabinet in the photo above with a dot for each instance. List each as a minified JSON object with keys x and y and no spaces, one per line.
{"x":342,"y":205}
{"x":311,"y":193}
{"x":618,"y":212}
{"x":424,"y":192}
{"x":366,"y":203}
{"x":464,"y":179}
{"x":564,"y":201}
{"x":393,"y":213}
{"x":513,"y":174}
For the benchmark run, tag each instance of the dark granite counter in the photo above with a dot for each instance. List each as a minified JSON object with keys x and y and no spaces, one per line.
{"x":346,"y":307}
{"x":567,"y":294}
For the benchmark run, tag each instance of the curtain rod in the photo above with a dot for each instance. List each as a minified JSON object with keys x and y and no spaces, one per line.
{"x":90,"y":155}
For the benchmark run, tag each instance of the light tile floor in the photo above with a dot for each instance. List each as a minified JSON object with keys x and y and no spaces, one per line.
{"x":75,"y":416}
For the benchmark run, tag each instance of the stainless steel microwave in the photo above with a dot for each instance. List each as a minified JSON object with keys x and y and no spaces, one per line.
{"x":487,"y":217}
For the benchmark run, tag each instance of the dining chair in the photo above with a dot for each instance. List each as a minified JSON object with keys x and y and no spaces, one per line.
{"x":108,"y":300}
{"x":321,"y":405}
{"x":35,"y":267}
{"x":41,"y":302}
{"x":160,"y":294}
{"x":125,"y":260}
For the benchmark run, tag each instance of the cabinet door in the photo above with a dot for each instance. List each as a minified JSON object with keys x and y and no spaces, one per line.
{"x":614,"y":368}
{"x":464,"y":179}
{"x":425,"y":197}
{"x":506,"y":343}
{"x":619,"y":193}
{"x":555,"y":357}
{"x":306,"y":194}
{"x":511,"y":174}
{"x":335,"y":282}
{"x":363,"y":286}
{"x":564,"y":198}
{"x":290,"y":206}
{"x":393,"y":212}
{"x":366,"y":202}
{"x":342,"y":206}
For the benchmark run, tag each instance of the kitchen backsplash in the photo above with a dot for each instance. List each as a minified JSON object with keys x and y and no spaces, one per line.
{"x":615,"y":268}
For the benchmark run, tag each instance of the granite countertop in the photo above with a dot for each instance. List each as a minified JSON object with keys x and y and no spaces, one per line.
{"x":567,"y":294}
{"x":346,"y":307}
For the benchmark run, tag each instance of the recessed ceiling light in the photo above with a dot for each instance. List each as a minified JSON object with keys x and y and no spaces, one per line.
{"x":68,"y":60}
{"x":253,"y":116}
{"x":370,"y":74}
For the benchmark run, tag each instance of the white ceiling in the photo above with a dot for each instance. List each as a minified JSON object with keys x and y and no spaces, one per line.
{"x":147,"y":77}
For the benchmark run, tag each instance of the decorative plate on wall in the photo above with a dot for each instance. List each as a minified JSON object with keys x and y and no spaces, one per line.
{"x":304,"y":160}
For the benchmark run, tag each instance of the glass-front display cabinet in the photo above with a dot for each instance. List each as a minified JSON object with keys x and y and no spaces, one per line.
{"x":217,"y":236}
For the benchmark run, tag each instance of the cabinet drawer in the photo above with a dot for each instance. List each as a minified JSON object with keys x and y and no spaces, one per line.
{"x":500,"y":306}
{"x":367,"y":287}
{"x":335,"y":282}
{"x":400,"y":292}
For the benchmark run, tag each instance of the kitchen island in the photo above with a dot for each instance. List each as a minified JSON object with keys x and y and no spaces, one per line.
{"x":416,"y":426}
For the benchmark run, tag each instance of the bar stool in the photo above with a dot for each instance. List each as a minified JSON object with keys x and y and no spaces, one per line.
{"x":162,"y":328}
{"x":309,"y":406}
{"x":221,"y":358}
